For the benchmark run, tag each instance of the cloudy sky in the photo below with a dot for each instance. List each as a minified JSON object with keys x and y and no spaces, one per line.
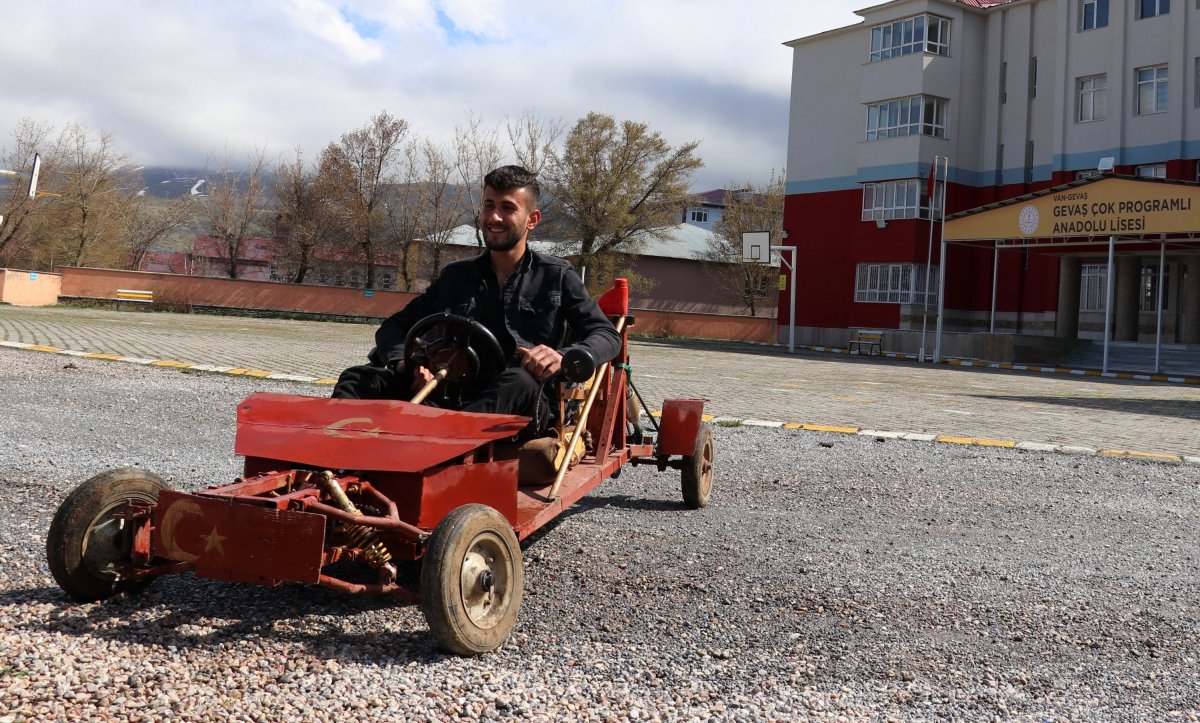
{"x":178,"y":83}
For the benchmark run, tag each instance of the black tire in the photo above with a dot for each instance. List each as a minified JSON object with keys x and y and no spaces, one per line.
{"x":86,"y":544}
{"x":697,"y":476}
{"x":472,"y":580}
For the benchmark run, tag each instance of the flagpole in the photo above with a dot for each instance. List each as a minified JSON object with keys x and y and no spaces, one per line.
{"x":937,"y":344}
{"x":928,"y":259}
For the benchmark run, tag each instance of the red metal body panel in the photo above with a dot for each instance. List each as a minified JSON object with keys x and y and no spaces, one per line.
{"x":231,"y":540}
{"x":425,"y":499}
{"x":359,"y":434}
{"x":679,"y":426}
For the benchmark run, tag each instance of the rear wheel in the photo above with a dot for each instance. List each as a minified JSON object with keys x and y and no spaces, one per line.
{"x":89,"y":544}
{"x":696,"y":480}
{"x":472,"y":580}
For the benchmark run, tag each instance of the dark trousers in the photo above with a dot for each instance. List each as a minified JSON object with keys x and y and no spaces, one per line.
{"x":512,"y":391}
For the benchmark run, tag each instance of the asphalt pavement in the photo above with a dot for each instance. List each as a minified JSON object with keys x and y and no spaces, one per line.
{"x":742,"y":384}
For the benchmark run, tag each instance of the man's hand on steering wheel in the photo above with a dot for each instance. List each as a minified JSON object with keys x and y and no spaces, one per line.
{"x":541,"y":361}
{"x":420,"y":375}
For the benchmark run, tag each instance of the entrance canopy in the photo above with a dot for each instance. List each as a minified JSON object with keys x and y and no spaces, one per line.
{"x":1106,"y":209}
{"x":1098,"y":206}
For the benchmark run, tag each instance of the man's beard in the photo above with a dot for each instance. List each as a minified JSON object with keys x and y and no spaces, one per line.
{"x":504,"y":242}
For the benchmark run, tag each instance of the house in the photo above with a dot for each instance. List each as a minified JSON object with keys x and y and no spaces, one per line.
{"x":1009,"y":98}
{"x":670,"y":258}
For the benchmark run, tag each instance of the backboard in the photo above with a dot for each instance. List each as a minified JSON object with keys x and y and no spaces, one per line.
{"x":756,"y":247}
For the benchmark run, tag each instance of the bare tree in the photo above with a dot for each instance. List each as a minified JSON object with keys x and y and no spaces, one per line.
{"x":360,"y":169}
{"x":19,"y":211}
{"x":534,"y":140}
{"x":149,"y":223}
{"x":305,"y":221}
{"x":747,"y":209}
{"x":92,"y":201}
{"x":403,"y":217}
{"x":618,"y":184}
{"x":232,"y":207}
{"x":443,"y":205}
{"x":476,"y":152}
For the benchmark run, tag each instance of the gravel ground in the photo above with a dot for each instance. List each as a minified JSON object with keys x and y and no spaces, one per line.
{"x":832,"y":577}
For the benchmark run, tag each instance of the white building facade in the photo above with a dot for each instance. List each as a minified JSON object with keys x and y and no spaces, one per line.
{"x":1019,"y":96}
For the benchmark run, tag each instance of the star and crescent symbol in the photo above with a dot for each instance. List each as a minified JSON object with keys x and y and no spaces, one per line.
{"x":340,"y":429}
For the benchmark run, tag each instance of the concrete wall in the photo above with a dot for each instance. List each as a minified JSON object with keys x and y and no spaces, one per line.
{"x":29,"y":288}
{"x":177,"y":292}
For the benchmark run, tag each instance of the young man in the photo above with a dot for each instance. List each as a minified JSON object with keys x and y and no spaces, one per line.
{"x":528,"y":300}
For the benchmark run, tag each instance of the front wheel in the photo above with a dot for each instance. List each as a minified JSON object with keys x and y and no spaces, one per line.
{"x":696,"y":479}
{"x":89,"y":543}
{"x":472,"y":580}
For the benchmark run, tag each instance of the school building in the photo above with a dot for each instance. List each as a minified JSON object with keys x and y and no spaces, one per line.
{"x":1050,"y":108}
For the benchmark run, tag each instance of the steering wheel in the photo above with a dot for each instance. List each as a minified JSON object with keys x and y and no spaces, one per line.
{"x":462,"y":347}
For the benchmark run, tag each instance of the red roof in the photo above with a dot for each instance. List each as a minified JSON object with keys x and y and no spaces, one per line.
{"x":984,"y":4}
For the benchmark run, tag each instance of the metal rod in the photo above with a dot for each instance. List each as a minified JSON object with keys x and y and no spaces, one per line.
{"x":937,"y":339}
{"x":1162,"y":267}
{"x":1108,"y":303}
{"x":429,"y":386}
{"x":582,"y":422}
{"x":995,"y":274}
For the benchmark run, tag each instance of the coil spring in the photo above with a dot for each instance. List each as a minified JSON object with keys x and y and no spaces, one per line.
{"x":374,"y":552}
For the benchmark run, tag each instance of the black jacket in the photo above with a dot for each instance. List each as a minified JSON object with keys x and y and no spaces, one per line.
{"x":541,"y":300}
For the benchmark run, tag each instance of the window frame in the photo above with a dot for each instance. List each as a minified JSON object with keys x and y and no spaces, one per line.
{"x":900,"y":199}
{"x":894,"y":283}
{"x":1160,"y":7}
{"x":894,"y":118}
{"x":922,"y":33}
{"x":1099,"y":12}
{"x":1092,"y":95}
{"x":1093,"y":287}
{"x":1148,"y":299}
{"x":1151,"y":170}
{"x":1160,"y":87}
{"x":694,"y":215}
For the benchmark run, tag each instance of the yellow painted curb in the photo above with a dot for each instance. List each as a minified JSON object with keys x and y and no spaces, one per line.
{"x":979,"y":441}
{"x":325,"y":381}
{"x":51,"y":349}
{"x":165,"y":363}
{"x":109,"y":357}
{"x":1128,"y":454}
{"x":793,"y":425}
{"x":829,"y":428}
{"x":257,"y":373}
{"x":1092,"y":372}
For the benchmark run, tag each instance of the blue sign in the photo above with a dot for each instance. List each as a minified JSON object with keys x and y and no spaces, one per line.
{"x":368,"y":293}
{"x":33,"y":276}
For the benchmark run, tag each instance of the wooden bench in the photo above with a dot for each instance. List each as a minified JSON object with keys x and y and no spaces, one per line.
{"x":872,"y":340}
{"x":135,"y":296}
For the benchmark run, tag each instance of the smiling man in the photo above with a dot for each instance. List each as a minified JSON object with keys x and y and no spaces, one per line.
{"x":528,"y":300}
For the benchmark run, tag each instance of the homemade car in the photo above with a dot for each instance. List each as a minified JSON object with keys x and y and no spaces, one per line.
{"x":379,"y":482}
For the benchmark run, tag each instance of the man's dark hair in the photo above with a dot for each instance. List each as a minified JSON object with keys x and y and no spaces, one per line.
{"x":506,"y":178}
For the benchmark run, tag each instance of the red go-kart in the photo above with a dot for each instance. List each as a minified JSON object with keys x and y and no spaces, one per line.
{"x":379,"y":482}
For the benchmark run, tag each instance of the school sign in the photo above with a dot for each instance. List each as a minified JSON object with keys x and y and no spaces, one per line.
{"x":1100,"y":207}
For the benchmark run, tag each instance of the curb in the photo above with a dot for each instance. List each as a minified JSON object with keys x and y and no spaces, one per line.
{"x":1176,"y":459}
{"x":1005,"y":366}
{"x":721,"y":421}
{"x":209,"y":368}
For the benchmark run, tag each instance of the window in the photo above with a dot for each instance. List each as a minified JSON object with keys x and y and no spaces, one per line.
{"x":1090,"y":173}
{"x":699,"y":216}
{"x":1151,"y":8}
{"x":1093,"y":287}
{"x":1151,"y":90}
{"x":1151,"y":170}
{"x":1149,"y":300}
{"x":1093,"y":14}
{"x":899,"y":199}
{"x":921,"y":114}
{"x":922,"y":33}
{"x":1092,"y":94}
{"x":895,"y":283}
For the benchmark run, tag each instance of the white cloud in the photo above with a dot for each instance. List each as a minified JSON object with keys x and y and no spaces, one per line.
{"x":180,"y":83}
